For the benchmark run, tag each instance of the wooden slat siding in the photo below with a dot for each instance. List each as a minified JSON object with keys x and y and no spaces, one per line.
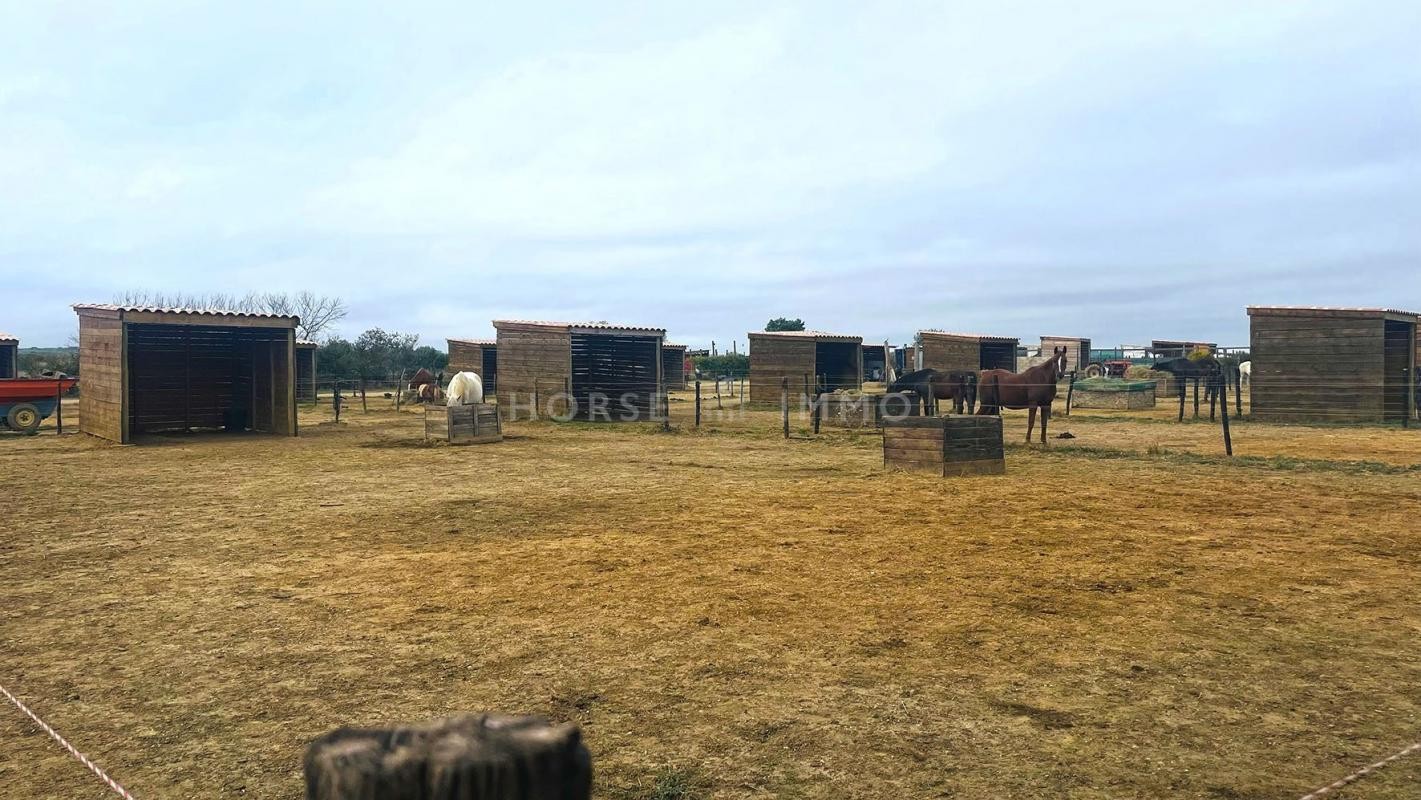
{"x":1077,"y":350}
{"x":624,"y":369}
{"x":673,"y":366}
{"x":773,"y":358}
{"x":946,"y":446}
{"x":529,"y":358}
{"x":947,"y":353}
{"x":1322,"y":368}
{"x":283,"y":397}
{"x":101,"y":387}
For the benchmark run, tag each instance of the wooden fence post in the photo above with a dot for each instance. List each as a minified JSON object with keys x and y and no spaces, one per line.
{"x":59,"y":407}
{"x":335,"y":399}
{"x":698,"y":402}
{"x":1238,"y":388}
{"x":1180,"y":381}
{"x":1224,"y":417}
{"x":1196,"y":398}
{"x":784,"y":403}
{"x":816,"y":412}
{"x":1070,"y":392}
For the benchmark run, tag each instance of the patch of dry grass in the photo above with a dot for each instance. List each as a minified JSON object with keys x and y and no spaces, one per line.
{"x":727,"y":614}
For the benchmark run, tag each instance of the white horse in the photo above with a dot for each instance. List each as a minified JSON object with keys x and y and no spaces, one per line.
{"x":1245,"y":373}
{"x":465,"y":389}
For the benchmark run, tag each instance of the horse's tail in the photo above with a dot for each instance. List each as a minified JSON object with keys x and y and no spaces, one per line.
{"x":989,"y":392}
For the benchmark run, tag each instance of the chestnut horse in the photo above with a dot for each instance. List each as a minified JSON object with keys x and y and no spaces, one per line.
{"x":1030,"y":389}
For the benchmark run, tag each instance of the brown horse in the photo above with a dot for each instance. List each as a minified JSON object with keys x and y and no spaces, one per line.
{"x":1031,"y":389}
{"x":931,"y":385}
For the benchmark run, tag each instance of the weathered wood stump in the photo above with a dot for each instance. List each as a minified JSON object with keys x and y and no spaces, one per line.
{"x":469,"y":424}
{"x":947,"y":446}
{"x":487,"y":757}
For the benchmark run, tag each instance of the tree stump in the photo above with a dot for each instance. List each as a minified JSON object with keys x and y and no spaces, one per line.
{"x":487,"y":757}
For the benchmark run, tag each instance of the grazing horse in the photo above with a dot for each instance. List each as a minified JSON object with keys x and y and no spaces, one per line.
{"x":1245,"y":373}
{"x":931,"y":385}
{"x":1031,"y":389}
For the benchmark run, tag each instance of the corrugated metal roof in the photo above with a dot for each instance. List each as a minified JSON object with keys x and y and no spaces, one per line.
{"x":839,"y":337}
{"x":977,"y":337}
{"x":1342,"y":309}
{"x":307,"y":343}
{"x":479,"y":342}
{"x":5,"y":337}
{"x":206,"y":312}
{"x":569,"y":326}
{"x":666,"y":345}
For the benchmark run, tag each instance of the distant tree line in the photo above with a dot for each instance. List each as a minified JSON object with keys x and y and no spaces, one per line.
{"x":377,"y":355}
{"x":735,"y":365}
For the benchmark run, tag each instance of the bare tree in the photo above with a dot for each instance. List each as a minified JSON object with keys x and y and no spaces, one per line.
{"x":317,"y":312}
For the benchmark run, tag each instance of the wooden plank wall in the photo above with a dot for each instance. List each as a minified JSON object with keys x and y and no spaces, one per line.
{"x":618,"y":374}
{"x":466,"y":357}
{"x":951,"y":354}
{"x":283,"y":383}
{"x":532,"y":361}
{"x":1317,"y":368}
{"x":477,"y":423}
{"x":9,"y":360}
{"x":773,"y":358}
{"x":947,"y":446}
{"x":101,"y":378}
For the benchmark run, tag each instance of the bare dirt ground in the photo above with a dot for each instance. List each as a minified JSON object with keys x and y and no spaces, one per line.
{"x":723,"y":611}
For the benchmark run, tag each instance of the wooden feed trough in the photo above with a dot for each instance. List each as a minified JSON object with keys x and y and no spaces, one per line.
{"x":591,"y":371}
{"x":1332,"y":364}
{"x":149,"y":370}
{"x":966,"y":352}
{"x":832,"y":361}
{"x":477,"y":423}
{"x":948,"y":446}
{"x":9,"y":357}
{"x":1113,"y":394}
{"x":479,"y":356}
{"x":306,"y":371}
{"x":673,"y":366}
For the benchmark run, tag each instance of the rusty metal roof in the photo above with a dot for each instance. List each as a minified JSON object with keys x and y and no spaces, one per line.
{"x":832,"y":337}
{"x":579,"y":326}
{"x":204,"y":312}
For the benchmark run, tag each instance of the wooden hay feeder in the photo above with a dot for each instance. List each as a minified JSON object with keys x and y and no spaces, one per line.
{"x":949,"y":446}
{"x":471,"y":424}
{"x":1113,"y":394}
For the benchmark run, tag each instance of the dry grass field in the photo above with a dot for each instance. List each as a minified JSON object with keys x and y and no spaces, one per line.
{"x":726,"y":613}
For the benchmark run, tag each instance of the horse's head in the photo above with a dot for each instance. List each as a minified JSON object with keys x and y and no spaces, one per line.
{"x":1058,"y":360}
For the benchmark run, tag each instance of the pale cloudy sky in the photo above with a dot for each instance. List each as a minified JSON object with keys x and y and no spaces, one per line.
{"x":1120,"y":170}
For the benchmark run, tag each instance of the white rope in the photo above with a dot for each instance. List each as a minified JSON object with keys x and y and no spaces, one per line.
{"x":1362,"y":773}
{"x":83,"y":759}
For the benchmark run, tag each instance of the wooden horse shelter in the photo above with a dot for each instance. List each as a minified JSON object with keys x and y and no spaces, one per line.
{"x":830,"y":361}
{"x":1077,"y":351}
{"x":673,"y":366}
{"x":966,"y":352}
{"x":306,"y":371}
{"x":1332,"y":364}
{"x":606,"y":372}
{"x":150,"y":370}
{"x":479,"y":356}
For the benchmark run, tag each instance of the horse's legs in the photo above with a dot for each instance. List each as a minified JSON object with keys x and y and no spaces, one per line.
{"x":1031,"y":422}
{"x":1045,"y":416}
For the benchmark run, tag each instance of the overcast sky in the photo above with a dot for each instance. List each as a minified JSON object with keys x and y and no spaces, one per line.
{"x":1119,"y":170}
